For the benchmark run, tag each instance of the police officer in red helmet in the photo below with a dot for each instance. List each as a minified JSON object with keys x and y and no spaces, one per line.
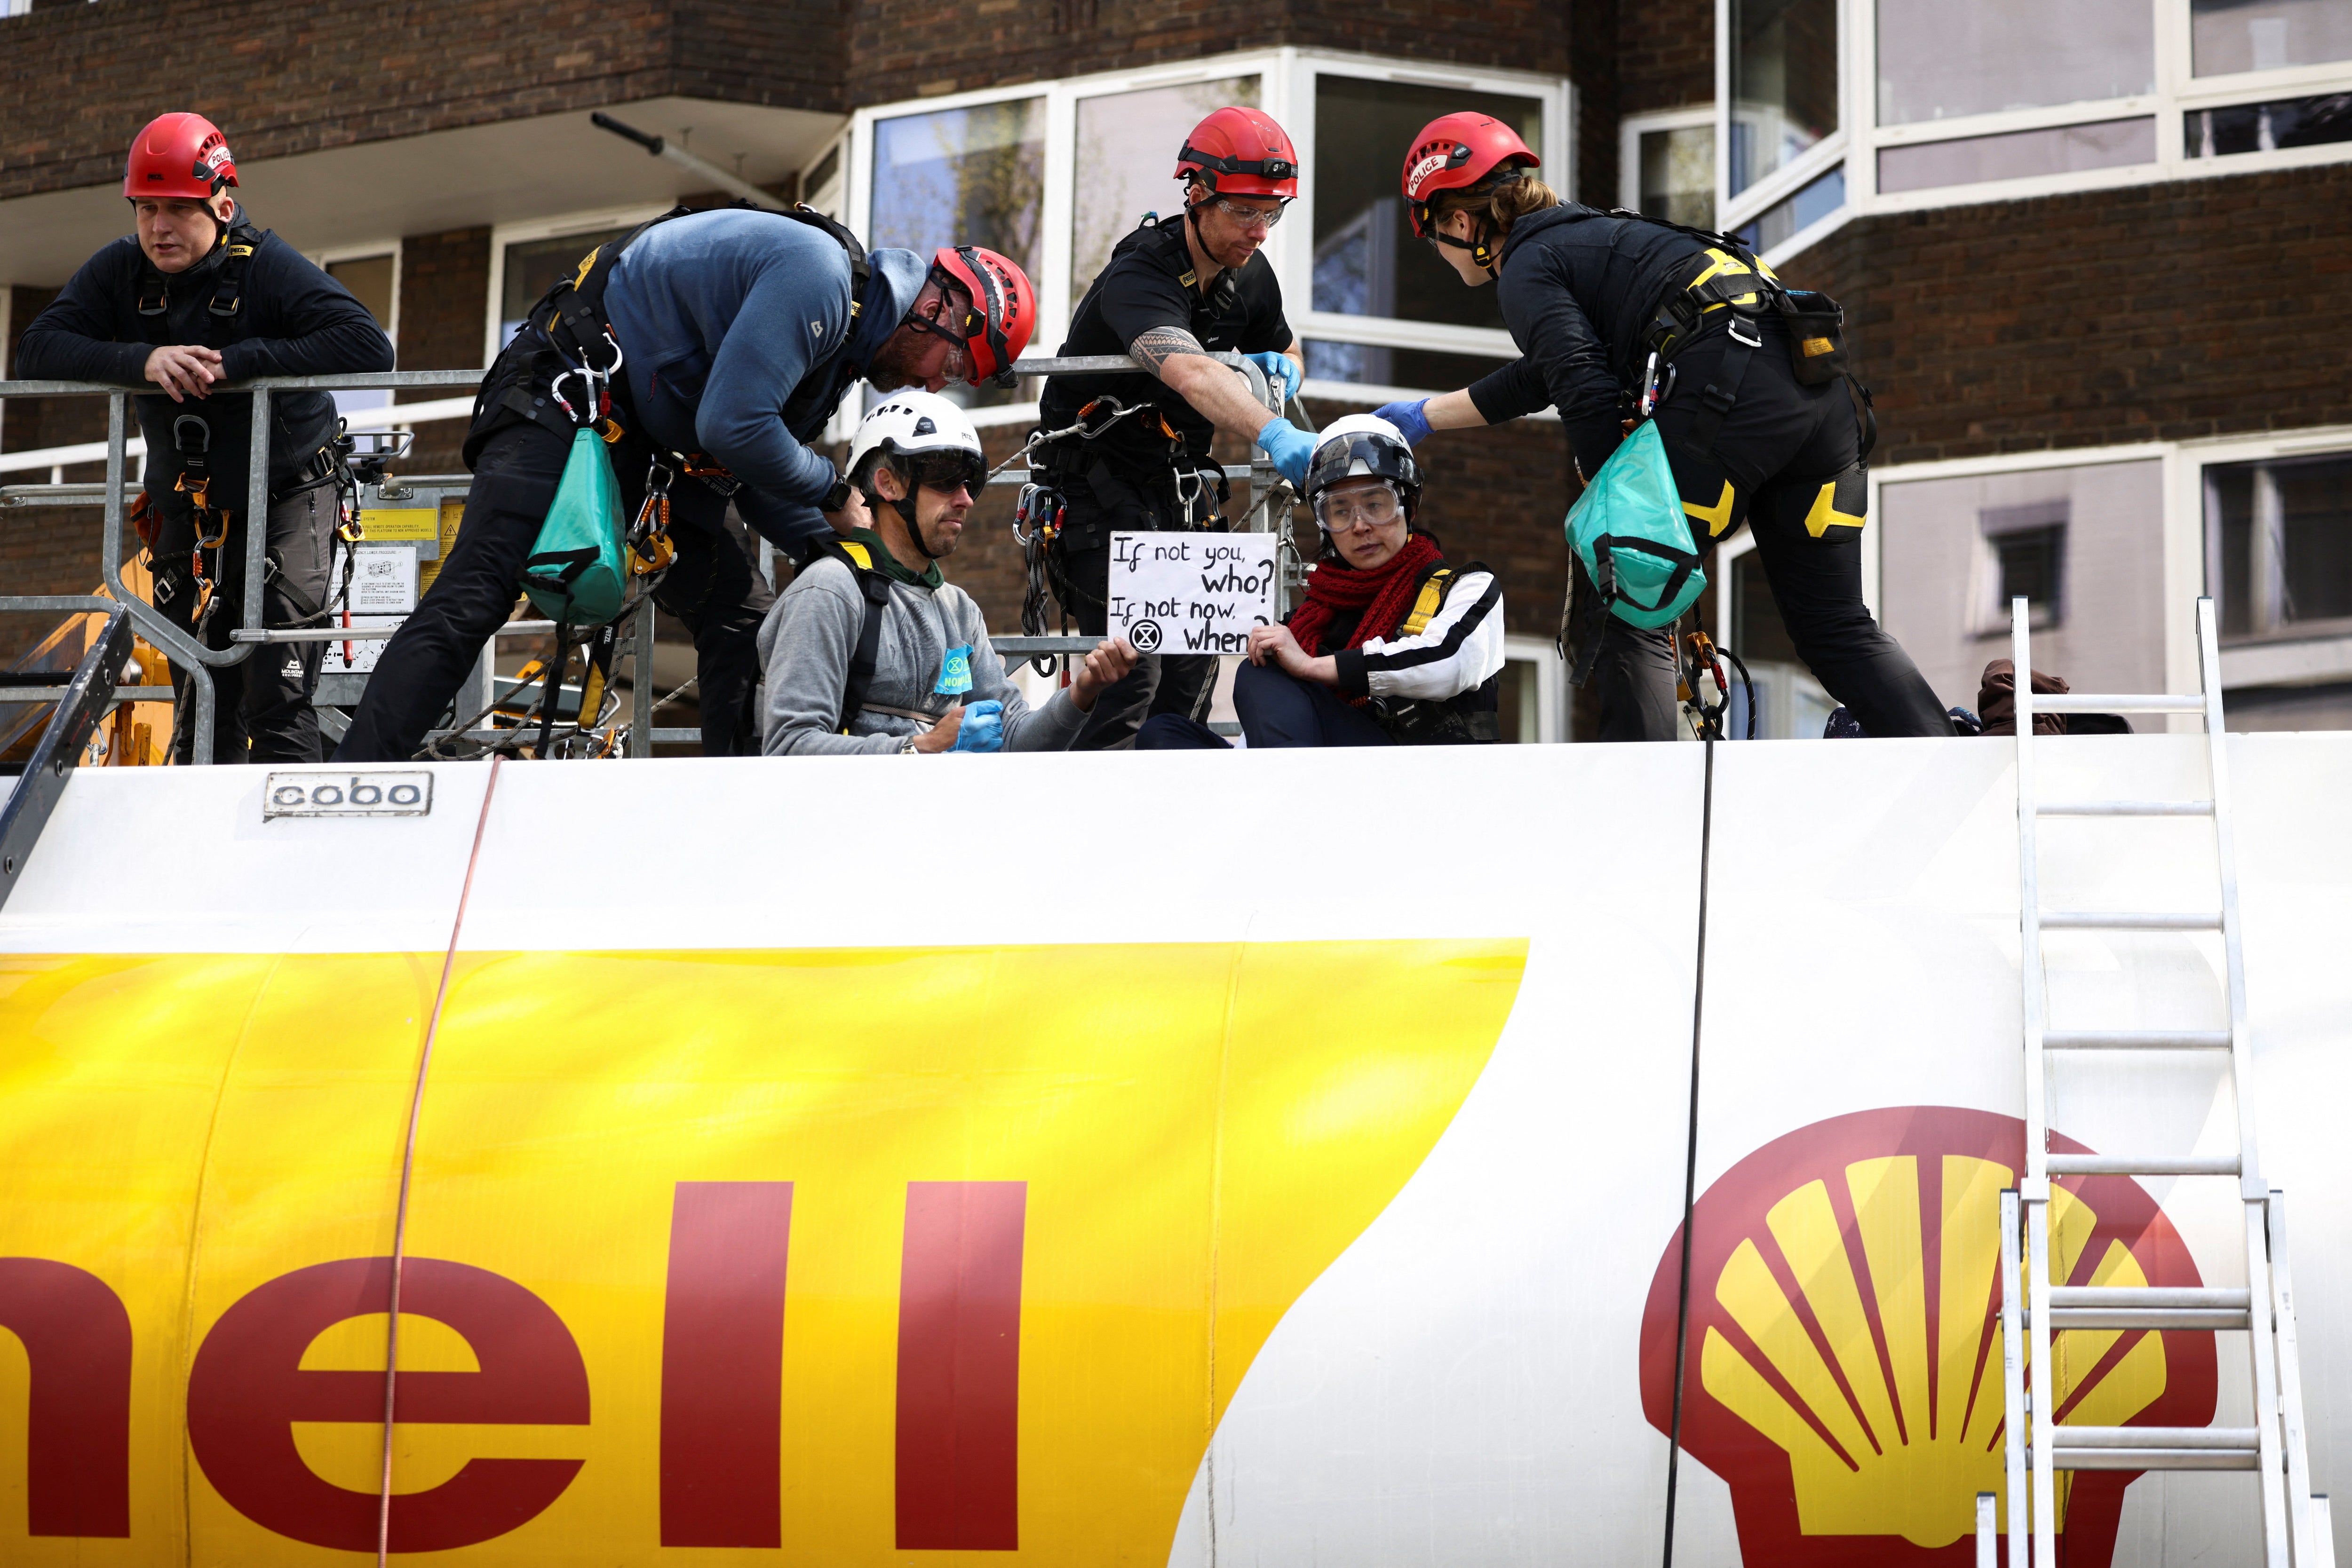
{"x":198,"y":296}
{"x":1175,"y":291}
{"x":1619,"y":315}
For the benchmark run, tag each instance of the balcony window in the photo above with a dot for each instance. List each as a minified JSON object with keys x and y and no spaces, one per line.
{"x":535,"y":265}
{"x":1676,"y":180}
{"x":1056,"y":174}
{"x":2231,"y":36}
{"x":2017,"y":154}
{"x":1784,"y":220}
{"x":1127,"y":146}
{"x":2278,"y":544}
{"x":1941,"y":60}
{"x":1784,"y":84}
{"x":1367,"y":262}
{"x":961,"y":176}
{"x":2028,"y":559}
{"x":2267,"y":127}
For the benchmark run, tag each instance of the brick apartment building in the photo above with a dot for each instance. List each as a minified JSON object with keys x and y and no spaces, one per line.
{"x":2095,"y":253}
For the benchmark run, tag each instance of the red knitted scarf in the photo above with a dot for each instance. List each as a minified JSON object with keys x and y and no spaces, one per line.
{"x":1384,"y":595}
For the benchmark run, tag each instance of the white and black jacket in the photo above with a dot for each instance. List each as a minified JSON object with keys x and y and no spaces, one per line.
{"x":1435,"y":686}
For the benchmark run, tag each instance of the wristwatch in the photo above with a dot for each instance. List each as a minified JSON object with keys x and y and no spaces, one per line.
{"x":836,"y":497}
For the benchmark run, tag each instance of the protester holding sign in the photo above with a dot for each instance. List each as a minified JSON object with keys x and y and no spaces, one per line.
{"x":870,"y":649}
{"x":1391,"y":646}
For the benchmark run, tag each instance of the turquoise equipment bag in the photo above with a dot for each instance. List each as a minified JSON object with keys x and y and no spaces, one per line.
{"x":574,"y":575}
{"x":1629,"y":530}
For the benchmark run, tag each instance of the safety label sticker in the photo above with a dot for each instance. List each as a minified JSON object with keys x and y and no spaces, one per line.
{"x":384,"y":794}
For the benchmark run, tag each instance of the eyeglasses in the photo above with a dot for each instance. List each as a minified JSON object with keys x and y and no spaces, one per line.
{"x":1339,"y":510}
{"x":1249,"y":217}
{"x":946,"y":472}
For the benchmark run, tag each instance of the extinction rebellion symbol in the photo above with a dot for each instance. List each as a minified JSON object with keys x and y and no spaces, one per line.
{"x":407,"y":793}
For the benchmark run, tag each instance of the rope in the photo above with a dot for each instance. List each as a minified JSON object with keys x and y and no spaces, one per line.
{"x":1690,"y":1157}
{"x":408,"y":1170}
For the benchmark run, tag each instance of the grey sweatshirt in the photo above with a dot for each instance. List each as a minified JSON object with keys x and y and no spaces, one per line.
{"x":812,"y":629}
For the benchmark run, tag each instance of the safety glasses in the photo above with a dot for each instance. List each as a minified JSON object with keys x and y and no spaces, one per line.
{"x":947,"y":472}
{"x":1249,"y":217}
{"x":1369,"y":505}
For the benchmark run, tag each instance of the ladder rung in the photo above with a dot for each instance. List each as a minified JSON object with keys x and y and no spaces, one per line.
{"x":2245,"y":1439}
{"x":2125,"y":702}
{"x":2137,"y":1040}
{"x":2176,"y":1318}
{"x":2139,"y":1164}
{"x":2122,"y":920}
{"x":2064,"y":1458}
{"x":2149,"y":1296}
{"x":2126,"y":808}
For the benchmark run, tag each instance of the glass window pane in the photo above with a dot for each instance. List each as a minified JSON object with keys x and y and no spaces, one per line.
{"x":1678,"y":175}
{"x":961,"y":176}
{"x":2279,"y":536}
{"x":1784,"y":83}
{"x":964,"y":176}
{"x":1809,"y":206}
{"x":1127,"y":144}
{"x":533,"y":267}
{"x":1951,"y":549}
{"x":369,"y":278}
{"x":1367,"y":262}
{"x":2065,"y":149}
{"x":2265,"y":127}
{"x":1413,"y":369}
{"x":2228,"y":36}
{"x":1937,"y":60}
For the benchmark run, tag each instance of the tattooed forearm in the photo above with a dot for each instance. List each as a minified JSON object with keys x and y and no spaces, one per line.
{"x":1154,"y":348}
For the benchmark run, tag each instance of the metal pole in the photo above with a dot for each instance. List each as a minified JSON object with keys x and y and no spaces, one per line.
{"x":659,"y":147}
{"x":2012,"y":1372}
{"x":257,"y":514}
{"x":641,"y":680}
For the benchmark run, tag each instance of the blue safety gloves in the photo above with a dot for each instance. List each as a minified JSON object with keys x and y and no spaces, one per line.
{"x":1278,"y":367}
{"x":1412,"y":423}
{"x":983,"y":728}
{"x":1290,"y":447}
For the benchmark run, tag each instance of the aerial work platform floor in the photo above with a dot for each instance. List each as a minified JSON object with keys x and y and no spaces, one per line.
{"x":1157,"y":1159}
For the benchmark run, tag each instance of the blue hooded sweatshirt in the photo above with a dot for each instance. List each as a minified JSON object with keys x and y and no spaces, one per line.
{"x":724,"y":316}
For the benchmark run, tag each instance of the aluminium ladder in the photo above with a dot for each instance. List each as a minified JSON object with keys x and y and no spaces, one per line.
{"x":2295,"y":1527}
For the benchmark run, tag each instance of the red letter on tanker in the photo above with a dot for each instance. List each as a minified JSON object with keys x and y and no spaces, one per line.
{"x":248,"y":1388}
{"x":960,"y":1367}
{"x":77,"y":1339}
{"x":723,"y":1365}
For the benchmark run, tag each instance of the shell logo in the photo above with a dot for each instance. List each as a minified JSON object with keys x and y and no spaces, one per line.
{"x":1843,"y":1373}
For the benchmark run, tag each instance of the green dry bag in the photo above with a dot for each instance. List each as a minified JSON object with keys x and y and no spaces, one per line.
{"x":1629,"y":530}
{"x":575,"y":574}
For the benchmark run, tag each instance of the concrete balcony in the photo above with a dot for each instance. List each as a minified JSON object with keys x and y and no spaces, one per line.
{"x":356,"y":121}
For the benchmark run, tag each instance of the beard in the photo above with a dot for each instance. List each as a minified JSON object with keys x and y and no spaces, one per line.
{"x":897,"y":361}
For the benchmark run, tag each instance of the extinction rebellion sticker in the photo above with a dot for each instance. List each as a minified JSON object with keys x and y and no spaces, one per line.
{"x":401,"y":794}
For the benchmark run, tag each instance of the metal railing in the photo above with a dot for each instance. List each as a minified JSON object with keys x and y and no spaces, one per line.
{"x":114,"y":493}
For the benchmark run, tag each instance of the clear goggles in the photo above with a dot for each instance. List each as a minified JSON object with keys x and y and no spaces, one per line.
{"x":1376,"y":506}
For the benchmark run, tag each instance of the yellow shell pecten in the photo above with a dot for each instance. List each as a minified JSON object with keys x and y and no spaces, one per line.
{"x":1892,"y":1433}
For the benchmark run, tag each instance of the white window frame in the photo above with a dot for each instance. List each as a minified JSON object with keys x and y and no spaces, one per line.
{"x":1633,"y":127}
{"x":1551,"y":684}
{"x":1860,"y":139}
{"x":392,"y":247}
{"x":2182,"y":541}
{"x":505,"y":234}
{"x":1287,"y":89}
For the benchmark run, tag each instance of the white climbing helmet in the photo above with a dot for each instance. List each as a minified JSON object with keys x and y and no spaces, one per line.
{"x":906,"y":424}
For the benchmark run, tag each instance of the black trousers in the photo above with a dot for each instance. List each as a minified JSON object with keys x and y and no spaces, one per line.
{"x":710,"y":587}
{"x":1177,"y":683}
{"x":1277,"y":710}
{"x":262,"y":710}
{"x":1787,"y":462}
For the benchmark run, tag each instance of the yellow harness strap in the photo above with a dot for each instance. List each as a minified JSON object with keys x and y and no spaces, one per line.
{"x":858,"y":553}
{"x":1433,"y":594}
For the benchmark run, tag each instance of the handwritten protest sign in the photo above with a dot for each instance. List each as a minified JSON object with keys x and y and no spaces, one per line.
{"x":1191,"y":593}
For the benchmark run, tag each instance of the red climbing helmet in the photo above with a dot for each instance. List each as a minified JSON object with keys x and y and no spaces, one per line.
{"x":179,"y":157}
{"x":1459,"y":153}
{"x":1241,"y":153}
{"x":1003,"y":310}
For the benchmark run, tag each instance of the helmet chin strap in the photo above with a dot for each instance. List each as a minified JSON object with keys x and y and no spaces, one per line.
{"x":905,"y":509}
{"x":1481,"y":250}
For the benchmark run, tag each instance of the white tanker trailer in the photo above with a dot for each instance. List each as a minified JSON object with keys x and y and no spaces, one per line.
{"x":1160,"y":1159}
